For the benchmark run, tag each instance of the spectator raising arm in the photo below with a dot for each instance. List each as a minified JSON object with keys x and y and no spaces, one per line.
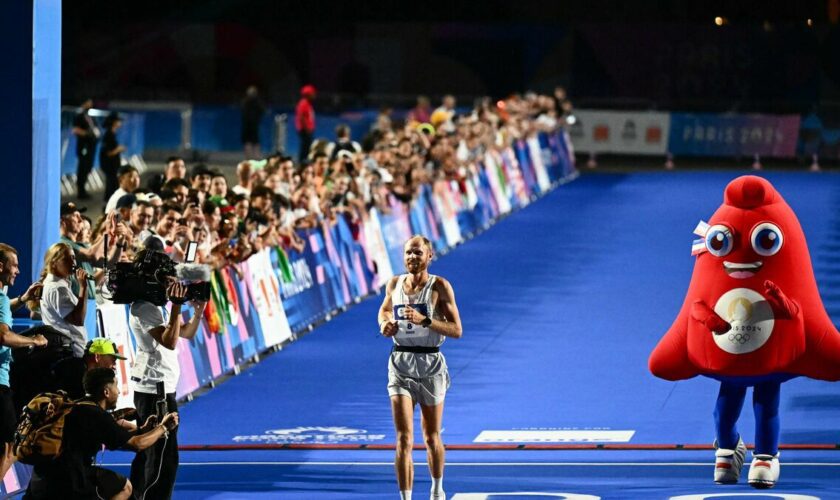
{"x":31,"y":293}
{"x":77,"y":315}
{"x":93,"y":254}
{"x":189,"y":329}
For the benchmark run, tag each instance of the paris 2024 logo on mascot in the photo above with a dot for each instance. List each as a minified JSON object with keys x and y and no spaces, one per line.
{"x":752,"y":317}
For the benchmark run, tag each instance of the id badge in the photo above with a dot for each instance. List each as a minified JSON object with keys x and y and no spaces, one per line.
{"x":138,"y":369}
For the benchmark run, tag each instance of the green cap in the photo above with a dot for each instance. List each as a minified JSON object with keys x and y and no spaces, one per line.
{"x":102,"y":345}
{"x":220,"y":201}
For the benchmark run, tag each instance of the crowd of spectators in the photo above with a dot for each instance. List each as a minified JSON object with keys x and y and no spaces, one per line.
{"x":267,"y":203}
{"x":340,"y":176}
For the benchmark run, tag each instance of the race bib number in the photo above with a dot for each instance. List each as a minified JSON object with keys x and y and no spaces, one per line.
{"x":407,"y":328}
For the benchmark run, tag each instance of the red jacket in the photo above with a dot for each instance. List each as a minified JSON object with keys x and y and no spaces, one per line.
{"x":305,"y":116}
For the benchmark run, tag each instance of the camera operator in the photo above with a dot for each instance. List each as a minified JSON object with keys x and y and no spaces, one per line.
{"x":157,"y":333}
{"x":87,"y":428}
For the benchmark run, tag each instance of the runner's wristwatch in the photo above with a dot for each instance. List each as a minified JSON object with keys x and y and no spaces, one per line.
{"x":426,"y":323}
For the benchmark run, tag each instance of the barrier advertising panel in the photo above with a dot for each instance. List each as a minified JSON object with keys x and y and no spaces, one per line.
{"x":706,"y":134}
{"x":621,"y":132}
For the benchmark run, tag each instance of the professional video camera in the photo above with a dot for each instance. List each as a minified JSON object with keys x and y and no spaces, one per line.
{"x":148,"y":276}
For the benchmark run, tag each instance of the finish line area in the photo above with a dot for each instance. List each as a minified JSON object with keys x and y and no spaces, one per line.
{"x":581,"y":475}
{"x":551,"y":396}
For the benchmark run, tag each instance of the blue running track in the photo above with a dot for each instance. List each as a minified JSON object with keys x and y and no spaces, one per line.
{"x":561,"y":304}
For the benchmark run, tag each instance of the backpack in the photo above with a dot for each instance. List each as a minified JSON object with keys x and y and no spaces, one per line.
{"x":39,"y":435}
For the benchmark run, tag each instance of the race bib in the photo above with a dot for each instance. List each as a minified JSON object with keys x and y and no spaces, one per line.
{"x":407,"y":328}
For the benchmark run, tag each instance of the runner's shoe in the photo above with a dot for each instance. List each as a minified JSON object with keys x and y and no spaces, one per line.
{"x":764,"y":471}
{"x":728,"y":463}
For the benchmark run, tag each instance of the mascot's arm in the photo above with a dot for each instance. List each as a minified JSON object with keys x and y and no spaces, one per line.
{"x":701,"y":312}
{"x":822,"y":352}
{"x":669,"y":360}
{"x":783,"y":307}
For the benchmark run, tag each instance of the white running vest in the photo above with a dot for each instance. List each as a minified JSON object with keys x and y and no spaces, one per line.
{"x":410,"y":334}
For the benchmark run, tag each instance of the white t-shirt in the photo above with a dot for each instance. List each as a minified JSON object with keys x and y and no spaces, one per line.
{"x":284,"y":189}
{"x":57,"y":300}
{"x":162,"y":363}
{"x":238,"y":189}
{"x":112,"y":201}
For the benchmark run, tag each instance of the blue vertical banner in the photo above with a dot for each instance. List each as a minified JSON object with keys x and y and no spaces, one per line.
{"x":417,"y":218}
{"x":558,"y":142}
{"x":526,"y":167}
{"x":433,"y":219}
{"x":325,"y":273}
{"x":45,"y":127}
{"x":353,"y":254}
{"x":396,"y":229}
{"x":342,"y":257}
{"x":302,"y":297}
{"x":29,"y":124}
{"x":487,"y":207}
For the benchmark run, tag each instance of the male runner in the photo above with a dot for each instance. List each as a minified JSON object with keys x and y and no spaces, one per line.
{"x":418,"y":312}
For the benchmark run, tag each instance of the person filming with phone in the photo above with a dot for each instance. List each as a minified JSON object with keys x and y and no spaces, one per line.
{"x":61,"y":308}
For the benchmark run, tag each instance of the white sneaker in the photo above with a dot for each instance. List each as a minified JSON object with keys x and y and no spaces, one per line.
{"x":437,"y":496}
{"x":728,"y":463}
{"x":764,"y":471}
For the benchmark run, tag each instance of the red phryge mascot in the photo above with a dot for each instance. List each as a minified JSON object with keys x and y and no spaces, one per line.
{"x":752,"y":317}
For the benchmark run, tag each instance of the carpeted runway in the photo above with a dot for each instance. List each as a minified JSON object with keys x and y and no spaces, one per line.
{"x":561,"y":304}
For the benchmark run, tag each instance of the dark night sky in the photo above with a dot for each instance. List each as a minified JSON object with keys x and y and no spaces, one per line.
{"x":654,"y":53}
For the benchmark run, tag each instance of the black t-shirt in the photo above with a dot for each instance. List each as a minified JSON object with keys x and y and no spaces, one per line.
{"x":342,"y":145}
{"x":88,"y":142}
{"x":252,"y":113}
{"x":109,"y":143}
{"x":86,"y":429}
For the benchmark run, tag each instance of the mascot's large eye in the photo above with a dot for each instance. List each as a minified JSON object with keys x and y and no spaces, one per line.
{"x":719,"y":240}
{"x":767,"y":239}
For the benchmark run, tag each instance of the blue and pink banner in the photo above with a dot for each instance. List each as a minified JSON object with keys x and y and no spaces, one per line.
{"x":707,"y":134}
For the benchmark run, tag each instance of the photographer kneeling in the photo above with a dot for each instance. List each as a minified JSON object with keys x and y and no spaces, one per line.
{"x":157,"y":332}
{"x":87,"y":428}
